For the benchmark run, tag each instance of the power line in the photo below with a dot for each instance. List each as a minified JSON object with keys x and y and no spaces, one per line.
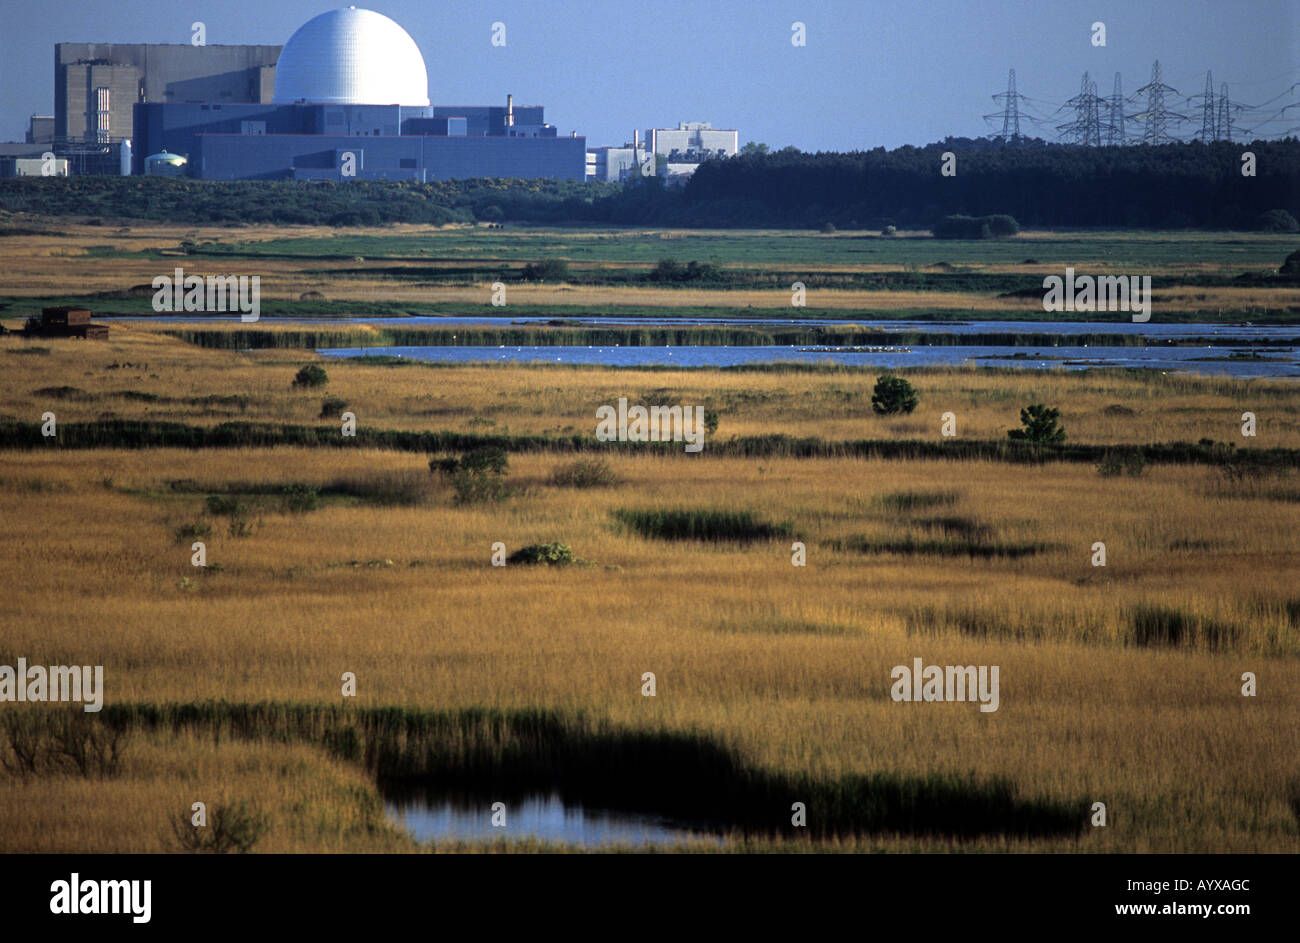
{"x":1010,"y":113}
{"x":1116,"y":135}
{"x":1156,"y":116}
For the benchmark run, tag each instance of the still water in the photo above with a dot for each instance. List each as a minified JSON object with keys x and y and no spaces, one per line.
{"x":543,"y":817}
{"x":1278,"y":362}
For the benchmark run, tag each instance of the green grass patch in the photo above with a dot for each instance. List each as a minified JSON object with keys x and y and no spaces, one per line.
{"x":705,"y":525}
{"x":954,"y":547}
{"x":1163,"y":626}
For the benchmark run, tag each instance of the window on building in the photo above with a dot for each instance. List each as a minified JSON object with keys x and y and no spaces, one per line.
{"x":101,"y":115}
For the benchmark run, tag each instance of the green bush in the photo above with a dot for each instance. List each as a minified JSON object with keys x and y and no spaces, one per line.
{"x":230,"y":828}
{"x":893,"y":395}
{"x":186,"y":533}
{"x":224,"y":506}
{"x":332,"y":406}
{"x":1001,"y":225}
{"x":1040,"y":426}
{"x":670,"y":270}
{"x":1292,"y":264}
{"x":477,"y":475}
{"x":548,"y":270}
{"x":311,"y":376}
{"x":1277,"y":221}
{"x":1111,"y":465}
{"x":300,"y":498}
{"x":975,"y":227}
{"x":584,"y":473}
{"x":555,"y":554}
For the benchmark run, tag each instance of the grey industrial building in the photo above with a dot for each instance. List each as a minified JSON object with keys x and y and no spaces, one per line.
{"x":681,"y":150}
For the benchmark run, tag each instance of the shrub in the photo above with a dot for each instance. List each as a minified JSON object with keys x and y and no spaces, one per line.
{"x":72,"y":741}
{"x":1111,"y":465}
{"x":332,"y":406}
{"x":548,"y":270}
{"x":975,"y":227}
{"x":224,"y":505}
{"x":555,"y":554}
{"x":893,"y":395}
{"x":1001,"y":225}
{"x":488,"y":459}
{"x":670,"y":270}
{"x":311,"y":376}
{"x":889,"y":231}
{"x":477,"y":475}
{"x":710,"y":421}
{"x":300,"y":497}
{"x":1277,"y":221}
{"x":1292,"y":264}
{"x":961,"y":227}
{"x":199,"y":530}
{"x":828,"y":228}
{"x":230,"y":828}
{"x":584,"y":473}
{"x":1040,"y":426}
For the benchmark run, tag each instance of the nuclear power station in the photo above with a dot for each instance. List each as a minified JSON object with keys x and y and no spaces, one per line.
{"x":347,"y":97}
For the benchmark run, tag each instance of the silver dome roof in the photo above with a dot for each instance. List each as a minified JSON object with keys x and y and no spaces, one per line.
{"x":351,"y":57}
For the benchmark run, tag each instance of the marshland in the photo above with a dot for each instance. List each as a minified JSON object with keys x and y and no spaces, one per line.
{"x":372,"y":555}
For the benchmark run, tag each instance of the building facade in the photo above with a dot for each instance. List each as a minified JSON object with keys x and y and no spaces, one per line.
{"x":98,"y":85}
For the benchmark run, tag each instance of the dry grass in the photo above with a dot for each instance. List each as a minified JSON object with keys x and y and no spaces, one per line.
{"x":1100,"y":407}
{"x":789,"y":666}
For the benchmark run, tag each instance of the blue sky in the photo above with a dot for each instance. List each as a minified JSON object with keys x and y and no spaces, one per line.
{"x":871,"y":74}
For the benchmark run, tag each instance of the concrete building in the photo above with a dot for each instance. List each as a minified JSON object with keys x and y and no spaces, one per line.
{"x":679,"y":151}
{"x":32,"y":167}
{"x":97,"y":85}
{"x":351,"y":101}
{"x":612,"y":164}
{"x":692,"y":142}
{"x":40,"y":130}
{"x":685,"y":147}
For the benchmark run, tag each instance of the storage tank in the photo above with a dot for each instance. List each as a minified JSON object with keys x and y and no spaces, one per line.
{"x":124,"y":152}
{"x":165,"y":164}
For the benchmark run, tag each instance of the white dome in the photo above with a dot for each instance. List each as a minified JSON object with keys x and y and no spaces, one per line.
{"x":351,"y":57}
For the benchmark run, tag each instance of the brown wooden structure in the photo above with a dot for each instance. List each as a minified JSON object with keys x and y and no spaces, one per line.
{"x":67,"y":322}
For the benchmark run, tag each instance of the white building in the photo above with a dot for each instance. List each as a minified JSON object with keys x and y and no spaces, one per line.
{"x":682,"y":149}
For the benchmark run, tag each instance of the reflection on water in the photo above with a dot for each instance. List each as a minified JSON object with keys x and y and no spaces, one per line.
{"x":541,"y":817}
{"x":1280,"y":362}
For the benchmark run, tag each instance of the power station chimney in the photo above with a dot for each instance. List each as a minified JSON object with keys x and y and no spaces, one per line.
{"x":510,"y":111}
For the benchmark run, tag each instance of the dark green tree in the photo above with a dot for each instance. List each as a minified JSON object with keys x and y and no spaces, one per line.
{"x":1040,"y":426}
{"x":893,"y":395}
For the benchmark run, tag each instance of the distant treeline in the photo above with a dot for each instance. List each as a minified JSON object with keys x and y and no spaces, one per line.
{"x":1039,"y":184}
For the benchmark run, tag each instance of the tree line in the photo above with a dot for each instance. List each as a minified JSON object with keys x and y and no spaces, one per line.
{"x":1190,"y":185}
